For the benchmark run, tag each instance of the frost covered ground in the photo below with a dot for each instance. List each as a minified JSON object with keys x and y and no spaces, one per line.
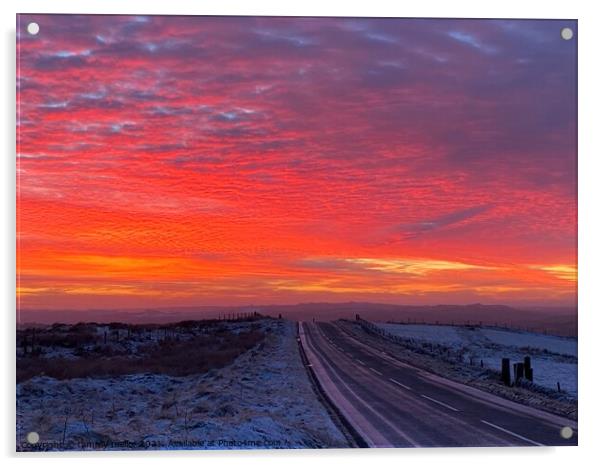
{"x":554,"y":359}
{"x":262,"y":400}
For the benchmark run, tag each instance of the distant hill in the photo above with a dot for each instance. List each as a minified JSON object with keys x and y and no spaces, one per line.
{"x":560,"y":321}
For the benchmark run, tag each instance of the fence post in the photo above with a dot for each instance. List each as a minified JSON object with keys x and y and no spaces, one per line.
{"x":528,"y":369}
{"x":519,"y":372}
{"x":506,"y":371}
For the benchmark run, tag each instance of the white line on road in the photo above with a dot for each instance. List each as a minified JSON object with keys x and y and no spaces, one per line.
{"x":375,"y":371}
{"x":361,"y":362}
{"x":533,"y":442}
{"x":440,"y":403}
{"x":400,"y":384}
{"x":363,"y":423}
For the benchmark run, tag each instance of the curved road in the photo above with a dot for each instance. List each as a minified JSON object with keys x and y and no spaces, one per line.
{"x":392,"y":404}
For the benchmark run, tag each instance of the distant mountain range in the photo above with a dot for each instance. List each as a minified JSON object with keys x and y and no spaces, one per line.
{"x":556,"y":320}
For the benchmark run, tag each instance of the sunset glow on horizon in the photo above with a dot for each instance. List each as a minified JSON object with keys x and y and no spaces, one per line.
{"x":184,"y":161}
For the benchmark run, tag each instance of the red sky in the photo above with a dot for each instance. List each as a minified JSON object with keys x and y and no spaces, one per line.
{"x":192,"y":161}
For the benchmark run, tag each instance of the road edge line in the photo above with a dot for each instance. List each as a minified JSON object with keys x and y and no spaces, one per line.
{"x":339,"y":419}
{"x":514,"y":434}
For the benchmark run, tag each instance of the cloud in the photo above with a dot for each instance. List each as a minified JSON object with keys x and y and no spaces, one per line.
{"x":445,"y":220}
{"x":472,"y":41}
{"x":414,"y":266}
{"x":562,"y":271}
{"x":268,"y":141}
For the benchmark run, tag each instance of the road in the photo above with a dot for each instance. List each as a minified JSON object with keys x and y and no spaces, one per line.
{"x":392,"y":404}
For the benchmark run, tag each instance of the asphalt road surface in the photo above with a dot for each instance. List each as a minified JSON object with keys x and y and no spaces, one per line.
{"x":392,"y":404}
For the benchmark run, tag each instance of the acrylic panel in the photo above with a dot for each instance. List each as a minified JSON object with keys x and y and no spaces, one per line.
{"x":295,"y":232}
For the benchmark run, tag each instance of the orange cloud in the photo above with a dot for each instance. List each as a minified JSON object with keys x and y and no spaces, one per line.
{"x":158,"y":163}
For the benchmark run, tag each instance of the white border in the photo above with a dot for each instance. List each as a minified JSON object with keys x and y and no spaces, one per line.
{"x":590,"y":231}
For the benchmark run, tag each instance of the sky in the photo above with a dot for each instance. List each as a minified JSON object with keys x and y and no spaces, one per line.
{"x":184,"y":161}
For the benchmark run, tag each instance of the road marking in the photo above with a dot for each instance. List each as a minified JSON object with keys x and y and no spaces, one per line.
{"x":375,"y":371}
{"x":400,"y":384}
{"x":533,"y":442}
{"x":333,"y":384}
{"x":440,"y":403}
{"x":361,"y":362}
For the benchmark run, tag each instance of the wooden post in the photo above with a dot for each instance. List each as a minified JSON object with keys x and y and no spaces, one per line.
{"x":528,"y":369}
{"x":519,"y":371}
{"x":506,"y":371}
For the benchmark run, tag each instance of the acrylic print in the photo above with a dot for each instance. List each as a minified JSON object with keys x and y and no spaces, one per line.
{"x":265,"y":232}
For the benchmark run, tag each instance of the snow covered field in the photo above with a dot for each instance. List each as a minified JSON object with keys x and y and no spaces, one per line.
{"x":554,"y":359}
{"x":262,"y":400}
